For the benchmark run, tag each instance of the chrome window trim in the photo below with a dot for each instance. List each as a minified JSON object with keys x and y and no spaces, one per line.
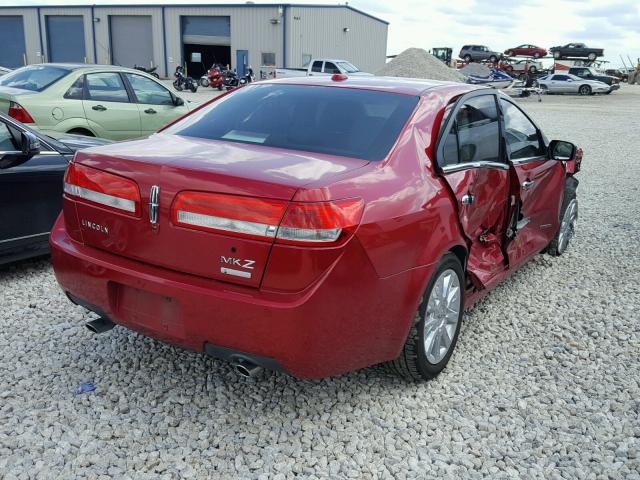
{"x":518,"y":161}
{"x":464,"y":166}
{"x":24,"y":238}
{"x":45,"y":153}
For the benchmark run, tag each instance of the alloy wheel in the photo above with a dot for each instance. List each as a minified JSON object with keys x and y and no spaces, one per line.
{"x":567,"y":226}
{"x":442,"y":316}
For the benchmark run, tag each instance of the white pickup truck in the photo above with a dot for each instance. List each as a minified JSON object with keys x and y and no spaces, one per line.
{"x":320,"y":66}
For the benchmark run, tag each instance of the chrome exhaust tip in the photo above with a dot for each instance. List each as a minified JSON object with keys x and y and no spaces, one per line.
{"x":246,"y":368}
{"x":100,"y":325}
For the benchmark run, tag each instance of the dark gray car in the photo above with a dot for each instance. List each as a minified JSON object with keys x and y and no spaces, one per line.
{"x":478,"y":53}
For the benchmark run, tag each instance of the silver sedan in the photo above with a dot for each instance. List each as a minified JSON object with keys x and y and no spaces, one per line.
{"x":565,"y":83}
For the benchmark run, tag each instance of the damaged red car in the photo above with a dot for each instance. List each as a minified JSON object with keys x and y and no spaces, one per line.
{"x":316,"y":225}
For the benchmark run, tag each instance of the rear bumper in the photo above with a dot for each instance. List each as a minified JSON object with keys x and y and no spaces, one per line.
{"x":348,"y":319}
{"x":615,"y":86}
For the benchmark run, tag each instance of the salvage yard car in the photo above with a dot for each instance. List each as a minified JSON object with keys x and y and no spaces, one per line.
{"x":32,"y":168}
{"x":566,"y":83}
{"x":316,"y":225}
{"x":104,"y":101}
{"x":576,"y":50}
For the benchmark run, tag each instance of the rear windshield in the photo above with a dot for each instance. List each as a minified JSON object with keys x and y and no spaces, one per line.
{"x":338,"y":121}
{"x":35,"y":78}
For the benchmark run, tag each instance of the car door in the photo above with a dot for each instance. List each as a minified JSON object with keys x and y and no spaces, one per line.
{"x":110,"y":111}
{"x":30,"y":192}
{"x":316,"y":68}
{"x":540,"y":184}
{"x":470,"y":159}
{"x":156,"y":104}
{"x":560,"y":84}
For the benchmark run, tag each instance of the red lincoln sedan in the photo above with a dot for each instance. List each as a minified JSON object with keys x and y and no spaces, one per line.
{"x":315,"y":225}
{"x":526,"y":51}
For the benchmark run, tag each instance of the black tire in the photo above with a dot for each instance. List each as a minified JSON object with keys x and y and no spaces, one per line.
{"x":467,"y":58}
{"x":412,"y":364}
{"x":204,"y":82}
{"x":592,"y":56}
{"x":558,"y":246}
{"x":584,"y":90}
{"x":493,"y":59}
{"x":536,"y":55}
{"x":556,"y":55}
{"x":193,"y":87}
{"x":177,"y":86}
{"x":220,"y":87}
{"x":532,"y":69}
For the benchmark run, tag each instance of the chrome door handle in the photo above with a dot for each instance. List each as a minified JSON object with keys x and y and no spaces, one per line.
{"x":467,"y":199}
{"x":99,"y":108}
{"x":149,"y":110}
{"x":527,"y":184}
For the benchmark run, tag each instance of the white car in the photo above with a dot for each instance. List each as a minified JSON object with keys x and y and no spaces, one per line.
{"x":565,"y":83}
{"x":521,"y":66}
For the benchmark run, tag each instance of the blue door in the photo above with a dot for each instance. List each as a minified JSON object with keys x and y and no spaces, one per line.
{"x":65,"y":38}
{"x":12,"y":41}
{"x":242,"y":62}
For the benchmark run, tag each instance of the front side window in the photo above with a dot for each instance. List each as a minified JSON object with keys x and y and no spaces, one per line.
{"x":106,"y":87}
{"x":560,"y":78}
{"x":317,"y":66}
{"x":7,"y":142}
{"x":35,"y":78}
{"x":523,"y":139}
{"x":147,"y":91}
{"x":475,"y":134}
{"x":337,"y":121}
{"x":330,"y":67}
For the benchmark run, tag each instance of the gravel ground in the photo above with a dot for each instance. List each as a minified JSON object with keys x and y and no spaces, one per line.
{"x":543,"y":384}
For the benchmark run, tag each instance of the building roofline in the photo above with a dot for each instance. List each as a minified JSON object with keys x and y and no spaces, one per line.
{"x":232,"y":5}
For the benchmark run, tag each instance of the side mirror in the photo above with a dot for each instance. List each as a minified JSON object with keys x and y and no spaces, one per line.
{"x":30,"y":144}
{"x":177,"y":101}
{"x":562,"y":151}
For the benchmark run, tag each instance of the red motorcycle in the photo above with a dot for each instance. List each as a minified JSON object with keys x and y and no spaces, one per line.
{"x":214,"y":77}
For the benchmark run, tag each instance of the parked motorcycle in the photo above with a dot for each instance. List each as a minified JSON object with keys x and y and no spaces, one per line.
{"x":232,"y":80}
{"x":150,"y":71}
{"x":183,"y":82}
{"x":214,"y":78}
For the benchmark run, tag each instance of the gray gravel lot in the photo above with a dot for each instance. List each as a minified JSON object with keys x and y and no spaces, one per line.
{"x":544,"y":382}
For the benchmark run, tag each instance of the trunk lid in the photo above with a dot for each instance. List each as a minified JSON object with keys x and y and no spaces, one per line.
{"x":10,"y":94}
{"x":176,"y":164}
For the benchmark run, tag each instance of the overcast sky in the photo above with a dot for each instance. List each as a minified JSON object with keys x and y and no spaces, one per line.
{"x":610,"y":24}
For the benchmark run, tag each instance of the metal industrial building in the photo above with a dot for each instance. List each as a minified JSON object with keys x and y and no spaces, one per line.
{"x":166,"y":36}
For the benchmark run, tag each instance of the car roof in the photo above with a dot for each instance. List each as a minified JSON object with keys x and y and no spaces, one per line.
{"x":406,"y":86}
{"x":83,"y":66}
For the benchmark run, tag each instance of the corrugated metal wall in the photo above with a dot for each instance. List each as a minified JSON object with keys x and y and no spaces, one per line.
{"x":103,"y":43}
{"x":317,"y":31}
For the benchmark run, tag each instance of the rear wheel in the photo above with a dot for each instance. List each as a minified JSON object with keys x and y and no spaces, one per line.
{"x":556,"y":55}
{"x":467,"y":58}
{"x":568,"y":219}
{"x":493,"y":59}
{"x":434,"y":332}
{"x":592,"y":56}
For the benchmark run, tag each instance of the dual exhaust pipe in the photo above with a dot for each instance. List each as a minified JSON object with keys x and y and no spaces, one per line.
{"x":244,"y":367}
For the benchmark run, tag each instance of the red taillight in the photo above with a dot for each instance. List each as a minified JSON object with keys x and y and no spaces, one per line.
{"x":248,"y":216}
{"x":302,"y":223}
{"x":106,"y":189}
{"x":319,"y":223}
{"x":18,"y":112}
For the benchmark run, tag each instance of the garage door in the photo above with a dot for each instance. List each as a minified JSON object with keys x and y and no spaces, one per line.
{"x":12,"y":41}
{"x":131,"y":40}
{"x":206,"y":30}
{"x":65,"y":38}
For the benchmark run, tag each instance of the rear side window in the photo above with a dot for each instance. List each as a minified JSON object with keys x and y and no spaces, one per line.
{"x":106,"y":87}
{"x":76,"y":91}
{"x":35,"y":78}
{"x":523,"y":138}
{"x":475,"y":133}
{"x":339,"y":121}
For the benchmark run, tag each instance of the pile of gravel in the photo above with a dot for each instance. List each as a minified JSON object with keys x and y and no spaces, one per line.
{"x":418,"y":63}
{"x":476,"y":69}
{"x":544,"y":382}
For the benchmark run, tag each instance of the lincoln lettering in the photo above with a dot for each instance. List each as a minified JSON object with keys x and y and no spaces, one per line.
{"x":95,"y":226}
